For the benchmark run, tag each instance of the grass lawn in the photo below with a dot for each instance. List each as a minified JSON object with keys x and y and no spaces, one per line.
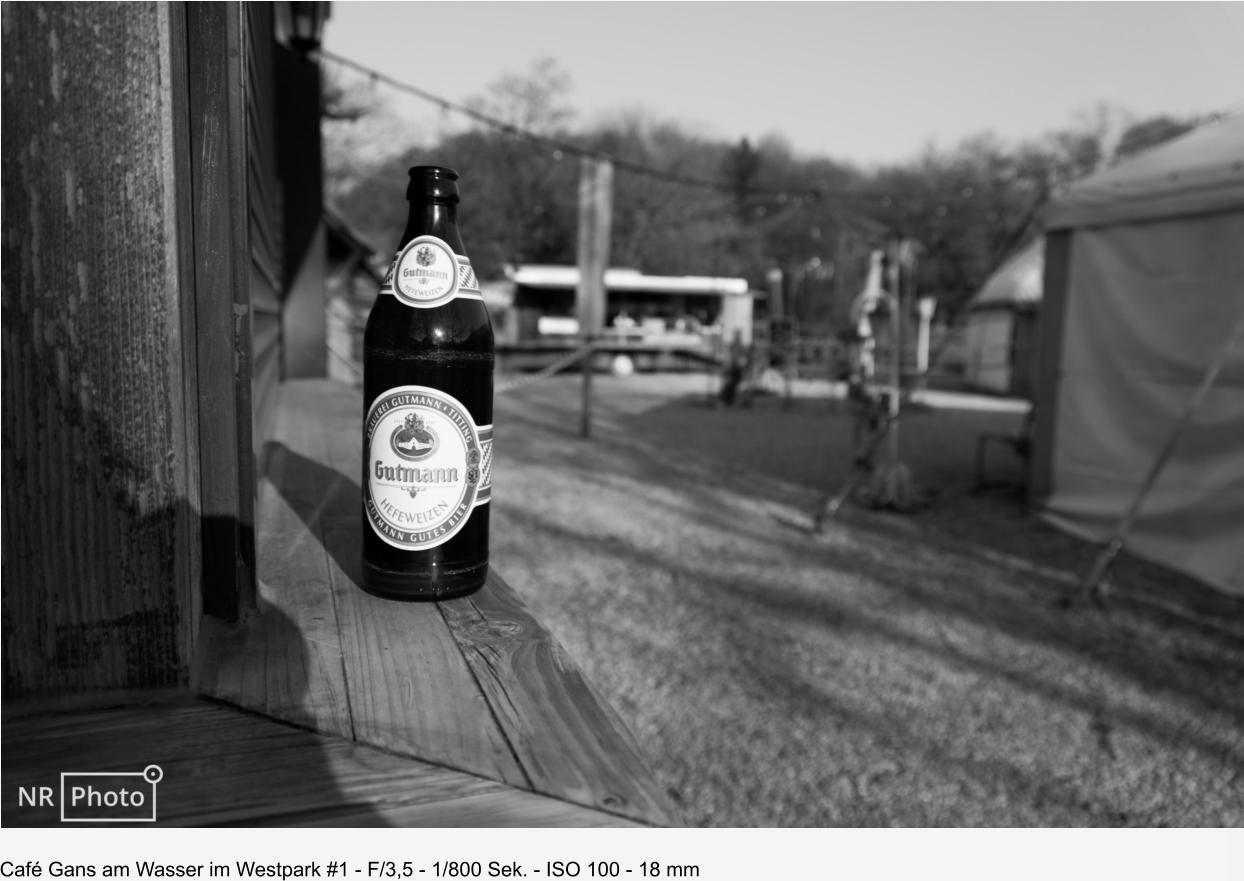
{"x":894,"y":669}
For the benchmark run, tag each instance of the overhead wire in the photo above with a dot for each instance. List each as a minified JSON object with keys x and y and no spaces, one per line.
{"x":560,"y":147}
{"x":851,"y":204}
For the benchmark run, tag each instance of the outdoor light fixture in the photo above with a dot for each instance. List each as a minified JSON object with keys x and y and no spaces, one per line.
{"x":308,"y":24}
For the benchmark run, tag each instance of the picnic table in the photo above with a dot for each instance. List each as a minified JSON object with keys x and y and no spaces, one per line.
{"x":326,"y":705}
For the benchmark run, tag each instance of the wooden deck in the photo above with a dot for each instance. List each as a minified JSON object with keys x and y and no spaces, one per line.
{"x":465,"y":712}
{"x":224,"y":766}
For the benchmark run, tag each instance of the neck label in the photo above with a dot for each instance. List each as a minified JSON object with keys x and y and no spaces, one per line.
{"x":427,"y":273}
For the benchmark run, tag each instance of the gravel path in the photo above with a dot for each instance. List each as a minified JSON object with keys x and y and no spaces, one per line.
{"x":892,"y":670}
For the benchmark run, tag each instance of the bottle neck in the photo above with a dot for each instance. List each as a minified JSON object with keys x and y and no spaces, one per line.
{"x":429,"y":217}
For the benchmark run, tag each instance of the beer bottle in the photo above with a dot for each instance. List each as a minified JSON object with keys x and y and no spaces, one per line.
{"x":427,"y":391}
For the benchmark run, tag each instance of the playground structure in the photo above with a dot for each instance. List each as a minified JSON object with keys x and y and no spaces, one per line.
{"x":876,"y":393}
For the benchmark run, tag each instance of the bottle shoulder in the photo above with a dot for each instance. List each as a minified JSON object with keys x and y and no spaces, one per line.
{"x":462,"y":325}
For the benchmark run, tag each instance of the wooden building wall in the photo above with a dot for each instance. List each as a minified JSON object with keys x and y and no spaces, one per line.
{"x":147,"y":318}
{"x":300,"y":166}
{"x":267,"y":284}
{"x":98,"y":485}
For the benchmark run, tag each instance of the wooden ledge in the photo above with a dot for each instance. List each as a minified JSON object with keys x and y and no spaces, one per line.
{"x":223,"y":766}
{"x":474,"y":684}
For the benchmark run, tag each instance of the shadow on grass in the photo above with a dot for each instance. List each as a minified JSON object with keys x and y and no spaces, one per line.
{"x":920,"y":569}
{"x":1086,"y":639}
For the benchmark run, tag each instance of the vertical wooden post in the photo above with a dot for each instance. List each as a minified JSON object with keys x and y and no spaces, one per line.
{"x":216,"y":102}
{"x":595,"y":216}
{"x":99,"y":477}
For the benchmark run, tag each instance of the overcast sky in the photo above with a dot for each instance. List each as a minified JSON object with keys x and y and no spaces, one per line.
{"x":867,"y":83}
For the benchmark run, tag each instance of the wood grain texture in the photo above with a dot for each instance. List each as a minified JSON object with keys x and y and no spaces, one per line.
{"x":285,"y":658}
{"x":473,"y":684}
{"x":410,"y":690}
{"x":322,"y":653}
{"x":569,"y":741}
{"x":225,"y":767}
{"x":181,"y":215}
{"x":95,"y":531}
{"x":219,"y":199}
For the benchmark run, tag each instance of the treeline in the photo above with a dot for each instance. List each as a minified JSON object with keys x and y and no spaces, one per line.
{"x":814,"y":218}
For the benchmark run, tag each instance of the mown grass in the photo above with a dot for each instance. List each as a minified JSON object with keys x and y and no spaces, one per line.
{"x":893,"y":669}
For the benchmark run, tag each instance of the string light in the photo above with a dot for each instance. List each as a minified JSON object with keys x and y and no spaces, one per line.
{"x":559,"y":149}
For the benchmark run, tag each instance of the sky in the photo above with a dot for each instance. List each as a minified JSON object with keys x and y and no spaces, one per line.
{"x":868,"y":83}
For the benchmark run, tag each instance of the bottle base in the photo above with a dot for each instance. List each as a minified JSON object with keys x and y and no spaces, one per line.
{"x":395,"y":585}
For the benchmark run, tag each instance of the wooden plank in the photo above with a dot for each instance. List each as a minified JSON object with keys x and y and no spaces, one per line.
{"x":410,"y":690}
{"x":321,"y":652}
{"x":265,"y":289}
{"x":218,"y":165}
{"x":474,"y":684}
{"x":569,"y":741}
{"x":222,"y":766}
{"x":507,"y":808}
{"x":284,"y":660}
{"x":265,"y":389}
{"x":180,"y":196}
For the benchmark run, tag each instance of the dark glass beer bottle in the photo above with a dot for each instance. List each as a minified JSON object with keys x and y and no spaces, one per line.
{"x":427,"y":391}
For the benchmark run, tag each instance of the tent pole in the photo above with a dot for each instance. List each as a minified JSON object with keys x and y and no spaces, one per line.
{"x":1093,"y":585}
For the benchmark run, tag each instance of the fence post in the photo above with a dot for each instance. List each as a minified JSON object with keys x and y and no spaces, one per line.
{"x":595,"y":215}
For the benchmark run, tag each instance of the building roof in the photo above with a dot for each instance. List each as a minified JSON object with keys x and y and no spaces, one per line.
{"x":621,"y":280}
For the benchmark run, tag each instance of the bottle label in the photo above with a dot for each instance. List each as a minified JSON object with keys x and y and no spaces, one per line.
{"x":427,"y":273}
{"x":428,"y":466}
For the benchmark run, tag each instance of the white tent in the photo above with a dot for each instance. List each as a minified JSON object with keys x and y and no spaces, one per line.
{"x":999,"y":333}
{"x":1143,"y":283}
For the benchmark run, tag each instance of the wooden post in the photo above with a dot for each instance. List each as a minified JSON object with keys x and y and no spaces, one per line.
{"x":595,"y":215}
{"x":101,"y":481}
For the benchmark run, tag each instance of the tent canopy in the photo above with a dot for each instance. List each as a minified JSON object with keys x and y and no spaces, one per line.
{"x":1144,"y":278}
{"x":1016,"y":283}
{"x":1201,"y":172}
